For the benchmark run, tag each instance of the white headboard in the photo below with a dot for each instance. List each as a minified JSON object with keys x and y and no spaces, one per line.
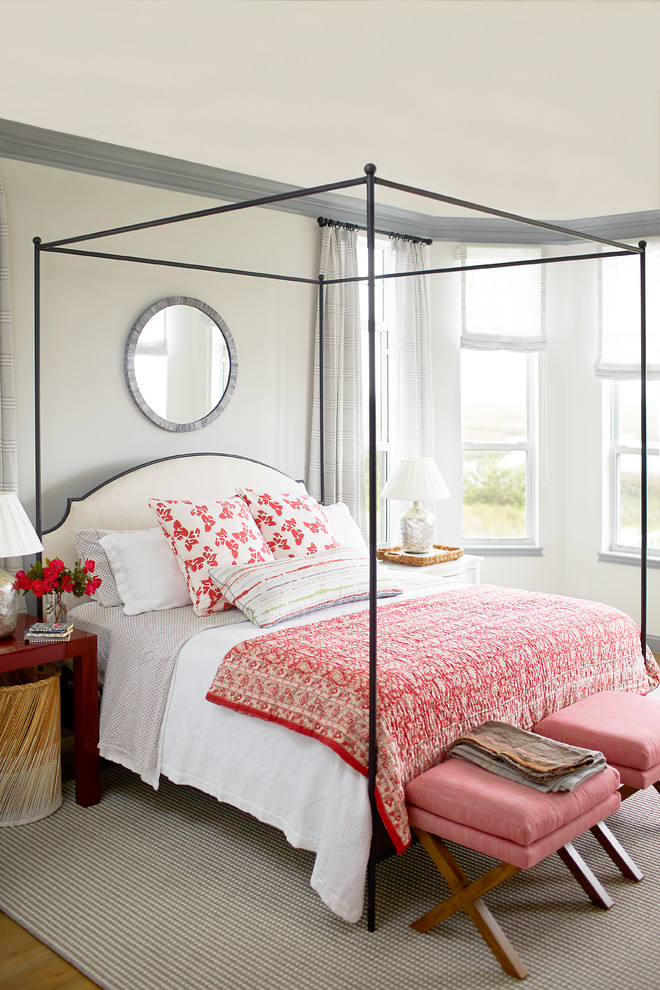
{"x":122,"y":502}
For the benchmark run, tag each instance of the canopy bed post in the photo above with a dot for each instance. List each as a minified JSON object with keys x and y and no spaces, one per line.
{"x":644,"y":443}
{"x":321,"y":386}
{"x":37,"y":401}
{"x":37,"y":383}
{"x":373,"y":539}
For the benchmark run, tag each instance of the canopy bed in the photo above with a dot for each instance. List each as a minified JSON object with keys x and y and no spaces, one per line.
{"x":122,"y":505}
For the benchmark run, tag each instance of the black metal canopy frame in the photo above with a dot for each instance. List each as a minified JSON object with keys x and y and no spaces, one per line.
{"x":369,"y":180}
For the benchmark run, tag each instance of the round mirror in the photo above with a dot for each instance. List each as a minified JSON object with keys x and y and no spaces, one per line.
{"x":180,"y":364}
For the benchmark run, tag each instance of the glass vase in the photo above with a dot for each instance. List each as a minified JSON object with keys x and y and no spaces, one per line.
{"x":56,"y":609}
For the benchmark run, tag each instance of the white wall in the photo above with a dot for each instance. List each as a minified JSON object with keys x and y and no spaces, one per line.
{"x":91,"y":428}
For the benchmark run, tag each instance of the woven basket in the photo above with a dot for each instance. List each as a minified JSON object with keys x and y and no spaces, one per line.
{"x":30,"y":743}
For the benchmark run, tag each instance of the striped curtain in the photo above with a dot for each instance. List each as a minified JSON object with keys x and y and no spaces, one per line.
{"x":411,"y":391}
{"x":8,"y":441}
{"x":344,"y":453}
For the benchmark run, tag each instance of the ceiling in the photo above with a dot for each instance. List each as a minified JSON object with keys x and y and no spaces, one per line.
{"x":547,"y":108}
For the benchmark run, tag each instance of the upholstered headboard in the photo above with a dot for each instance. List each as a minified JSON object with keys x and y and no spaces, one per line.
{"x":122,"y":501}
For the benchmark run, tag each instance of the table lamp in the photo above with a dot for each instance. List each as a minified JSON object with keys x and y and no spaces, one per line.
{"x":17,"y":538}
{"x":416,"y":478}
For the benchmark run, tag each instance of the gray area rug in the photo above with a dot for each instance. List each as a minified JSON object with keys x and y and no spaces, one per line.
{"x":169,"y":890}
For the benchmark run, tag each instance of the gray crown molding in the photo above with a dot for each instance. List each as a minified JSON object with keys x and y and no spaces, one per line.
{"x":41,"y":146}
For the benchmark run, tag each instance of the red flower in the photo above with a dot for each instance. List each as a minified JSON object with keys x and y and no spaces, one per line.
{"x":51,"y":574}
{"x":55,"y":576}
{"x":22,"y":581}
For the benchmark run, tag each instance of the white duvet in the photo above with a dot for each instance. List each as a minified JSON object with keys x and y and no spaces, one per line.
{"x":282,"y":777}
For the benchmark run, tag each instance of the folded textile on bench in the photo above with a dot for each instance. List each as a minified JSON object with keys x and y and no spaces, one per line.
{"x":525,"y":757}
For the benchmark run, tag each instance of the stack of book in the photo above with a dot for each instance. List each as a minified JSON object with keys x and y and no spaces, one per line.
{"x":48,"y":632}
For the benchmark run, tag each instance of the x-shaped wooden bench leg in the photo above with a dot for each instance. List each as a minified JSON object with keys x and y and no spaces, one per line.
{"x":467,"y":896}
{"x":616,"y":852}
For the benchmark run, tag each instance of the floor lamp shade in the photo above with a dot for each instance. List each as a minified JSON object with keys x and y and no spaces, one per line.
{"x":17,"y":538}
{"x":416,"y":479}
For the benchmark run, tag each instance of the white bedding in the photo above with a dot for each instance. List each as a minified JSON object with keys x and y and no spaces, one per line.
{"x":282,"y":777}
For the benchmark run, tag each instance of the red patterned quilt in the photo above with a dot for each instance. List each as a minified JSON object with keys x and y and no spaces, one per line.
{"x":446,"y":663}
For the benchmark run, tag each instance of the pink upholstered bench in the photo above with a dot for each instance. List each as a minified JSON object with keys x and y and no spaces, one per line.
{"x":519,"y":825}
{"x":624,"y":727}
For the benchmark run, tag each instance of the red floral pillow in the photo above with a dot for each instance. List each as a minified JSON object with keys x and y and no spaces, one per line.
{"x":291,"y":525}
{"x":212,"y":535}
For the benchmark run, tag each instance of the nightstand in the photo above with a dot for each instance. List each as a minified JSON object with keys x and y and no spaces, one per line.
{"x":465,"y":569}
{"x":15,"y":653}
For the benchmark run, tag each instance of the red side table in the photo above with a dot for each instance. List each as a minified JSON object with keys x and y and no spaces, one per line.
{"x":16,"y":652}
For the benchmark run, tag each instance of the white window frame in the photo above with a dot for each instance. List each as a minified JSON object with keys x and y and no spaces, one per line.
{"x":614,"y":450}
{"x":531,"y":448}
{"x":534,"y":429}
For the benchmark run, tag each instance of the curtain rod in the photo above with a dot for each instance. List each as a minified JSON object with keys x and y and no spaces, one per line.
{"x":324,"y":222}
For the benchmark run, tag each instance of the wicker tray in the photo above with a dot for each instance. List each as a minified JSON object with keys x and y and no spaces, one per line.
{"x":395,"y":555}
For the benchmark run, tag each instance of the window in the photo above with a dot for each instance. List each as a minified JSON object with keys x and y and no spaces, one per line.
{"x":625,"y":467}
{"x":498,"y":409}
{"x":383,"y":313}
{"x":501,"y":344}
{"x":618,"y":364}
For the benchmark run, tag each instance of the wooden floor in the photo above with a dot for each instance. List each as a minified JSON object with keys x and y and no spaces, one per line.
{"x":25,"y":962}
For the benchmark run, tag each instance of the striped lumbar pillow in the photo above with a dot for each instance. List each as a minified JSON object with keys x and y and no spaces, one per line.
{"x":283,"y":589}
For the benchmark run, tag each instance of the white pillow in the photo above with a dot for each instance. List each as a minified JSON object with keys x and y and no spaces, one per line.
{"x":89,"y":548}
{"x":145,"y":570}
{"x":283,"y":589}
{"x":346,"y":528}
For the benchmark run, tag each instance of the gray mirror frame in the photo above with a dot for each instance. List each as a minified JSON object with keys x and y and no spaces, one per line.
{"x":129,"y":364}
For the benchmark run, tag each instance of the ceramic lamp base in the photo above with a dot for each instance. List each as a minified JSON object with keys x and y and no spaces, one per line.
{"x":8,"y":605}
{"x":417,"y":529}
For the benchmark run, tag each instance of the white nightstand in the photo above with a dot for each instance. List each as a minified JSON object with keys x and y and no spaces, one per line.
{"x":465,"y":569}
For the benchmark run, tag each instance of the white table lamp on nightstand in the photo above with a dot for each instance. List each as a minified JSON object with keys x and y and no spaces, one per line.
{"x":17,"y":538}
{"x":416,"y":479}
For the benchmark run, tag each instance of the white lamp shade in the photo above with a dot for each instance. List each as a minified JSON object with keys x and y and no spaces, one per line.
{"x":417,"y":479}
{"x":17,"y":535}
